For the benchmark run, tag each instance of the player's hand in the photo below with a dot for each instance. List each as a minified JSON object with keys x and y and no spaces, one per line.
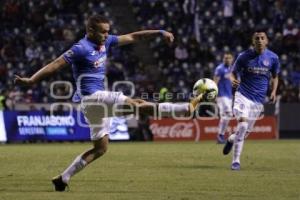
{"x":22,"y":81}
{"x":169,"y":37}
{"x":235,"y":83}
{"x":273,"y":97}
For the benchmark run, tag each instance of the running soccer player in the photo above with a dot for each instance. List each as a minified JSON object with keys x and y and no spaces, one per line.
{"x":222,"y":77}
{"x":87,"y":58}
{"x":255,"y":67}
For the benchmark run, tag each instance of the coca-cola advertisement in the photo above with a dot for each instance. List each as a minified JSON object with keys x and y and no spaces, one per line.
{"x":196,"y":129}
{"x":170,"y":129}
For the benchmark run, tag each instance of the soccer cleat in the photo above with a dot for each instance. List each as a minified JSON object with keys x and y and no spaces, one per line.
{"x":227,"y":147}
{"x":59,"y":184}
{"x":220,"y":139}
{"x":235,"y":166}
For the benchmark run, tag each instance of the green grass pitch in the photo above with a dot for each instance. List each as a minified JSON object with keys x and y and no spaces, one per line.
{"x":182,"y":170}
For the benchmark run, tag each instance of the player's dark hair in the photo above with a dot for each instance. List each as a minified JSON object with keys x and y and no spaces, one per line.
{"x":94,"y":20}
{"x":227,"y":53}
{"x":260,"y":29}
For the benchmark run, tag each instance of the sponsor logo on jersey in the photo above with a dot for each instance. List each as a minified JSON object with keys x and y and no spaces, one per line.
{"x":100,"y":62}
{"x":258,"y":70}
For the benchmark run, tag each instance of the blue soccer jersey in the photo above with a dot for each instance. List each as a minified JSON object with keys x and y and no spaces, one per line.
{"x":88,"y":65}
{"x":255,"y":71}
{"x":224,"y":84}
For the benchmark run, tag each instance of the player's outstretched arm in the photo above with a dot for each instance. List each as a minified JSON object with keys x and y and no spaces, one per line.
{"x":274,"y":89}
{"x":42,"y":73}
{"x":144,"y":35}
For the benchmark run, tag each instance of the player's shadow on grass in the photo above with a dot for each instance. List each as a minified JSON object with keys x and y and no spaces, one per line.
{"x":191,"y":166}
{"x":26,"y":190}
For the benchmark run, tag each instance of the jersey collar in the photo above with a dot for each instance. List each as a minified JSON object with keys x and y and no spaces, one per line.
{"x":92,"y":44}
{"x":265,"y":50}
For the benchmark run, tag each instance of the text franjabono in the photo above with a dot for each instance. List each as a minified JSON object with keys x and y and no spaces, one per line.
{"x":45,"y":120}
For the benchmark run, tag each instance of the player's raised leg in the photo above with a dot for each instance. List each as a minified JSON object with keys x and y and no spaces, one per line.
{"x":165,"y":109}
{"x":115,"y":103}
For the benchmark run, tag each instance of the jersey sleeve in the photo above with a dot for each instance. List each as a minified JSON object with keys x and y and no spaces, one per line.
{"x":73,"y":54}
{"x":218,"y":72}
{"x":112,"y":40}
{"x":275,"y":67}
{"x":238,"y":64}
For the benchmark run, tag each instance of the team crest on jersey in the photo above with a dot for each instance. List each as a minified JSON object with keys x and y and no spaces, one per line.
{"x":266,"y":62}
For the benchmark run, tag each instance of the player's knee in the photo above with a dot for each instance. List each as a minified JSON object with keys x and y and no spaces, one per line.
{"x":100,"y":147}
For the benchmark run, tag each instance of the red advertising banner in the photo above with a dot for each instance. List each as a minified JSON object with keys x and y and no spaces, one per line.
{"x":168,"y":129}
{"x":195,"y":130}
{"x":264,"y":128}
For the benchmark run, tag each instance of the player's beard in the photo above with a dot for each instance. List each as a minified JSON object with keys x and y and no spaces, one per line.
{"x":98,"y":40}
{"x":101,"y":41}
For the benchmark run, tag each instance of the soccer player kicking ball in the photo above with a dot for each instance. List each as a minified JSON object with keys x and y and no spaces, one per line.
{"x":255,"y":67}
{"x":87,"y":58}
{"x":222,"y":77}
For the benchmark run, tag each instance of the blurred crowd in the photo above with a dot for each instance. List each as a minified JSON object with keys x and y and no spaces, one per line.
{"x":34,"y":32}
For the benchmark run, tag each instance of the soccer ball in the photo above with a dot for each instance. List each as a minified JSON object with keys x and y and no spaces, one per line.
{"x":207,"y":87}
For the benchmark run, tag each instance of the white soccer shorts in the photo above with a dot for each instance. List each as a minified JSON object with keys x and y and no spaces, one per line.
{"x":244,"y":107}
{"x":97,"y":108}
{"x":225,"y":105}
